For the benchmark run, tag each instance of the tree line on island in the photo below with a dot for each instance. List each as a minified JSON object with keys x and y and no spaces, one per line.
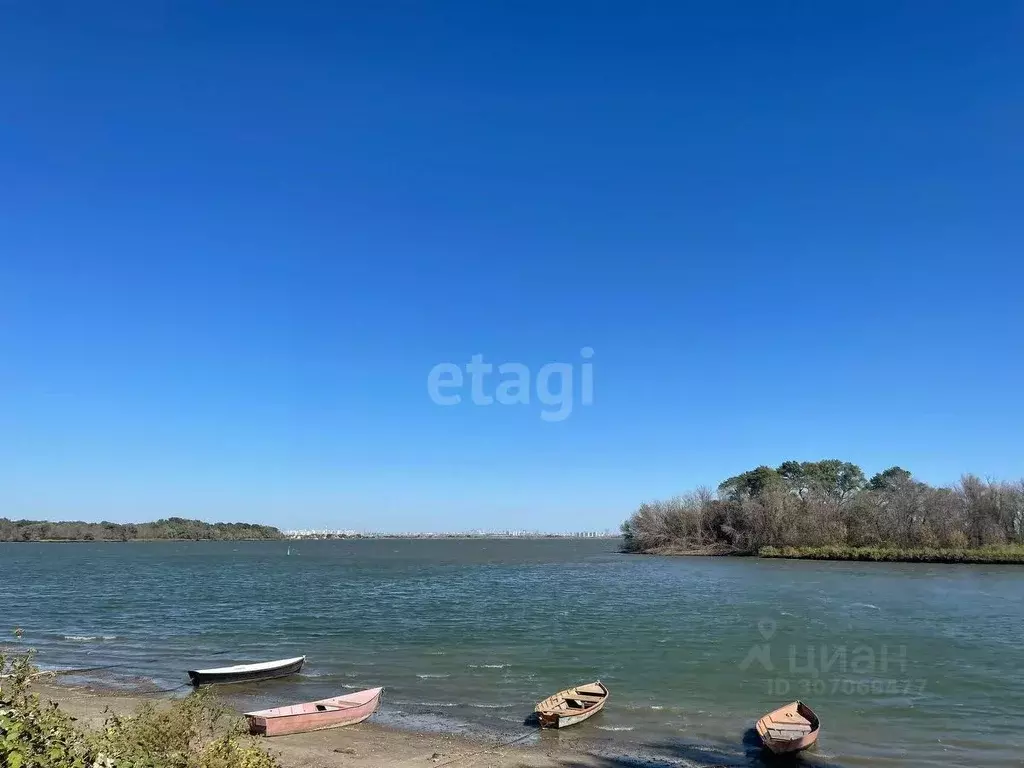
{"x":168,"y":529}
{"x":830,"y":509}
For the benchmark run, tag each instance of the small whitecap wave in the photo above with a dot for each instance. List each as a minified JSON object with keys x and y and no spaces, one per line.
{"x":655,"y":706}
{"x":615,"y":728}
{"x":489,"y":706}
{"x":495,"y":666}
{"x":865,"y":605}
{"x":89,"y":638}
{"x":428,"y":677}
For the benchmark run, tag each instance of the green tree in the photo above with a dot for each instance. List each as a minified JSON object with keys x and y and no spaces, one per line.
{"x":889,"y":478}
{"x":794,"y":475}
{"x":751,"y":484}
{"x":834,"y":479}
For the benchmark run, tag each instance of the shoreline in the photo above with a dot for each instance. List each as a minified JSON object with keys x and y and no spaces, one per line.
{"x":978,"y":556}
{"x":371,"y":744}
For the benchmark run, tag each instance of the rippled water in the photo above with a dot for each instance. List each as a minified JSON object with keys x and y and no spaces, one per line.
{"x":905,"y":664}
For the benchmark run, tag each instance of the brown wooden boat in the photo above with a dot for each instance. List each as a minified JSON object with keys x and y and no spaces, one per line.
{"x":316,"y":715}
{"x":791,"y":728}
{"x":571,"y":706}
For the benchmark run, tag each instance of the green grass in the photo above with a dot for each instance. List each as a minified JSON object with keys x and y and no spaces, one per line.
{"x":1008,"y":553}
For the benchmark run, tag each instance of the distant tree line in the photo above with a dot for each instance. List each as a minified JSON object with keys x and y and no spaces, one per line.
{"x":830,"y":503}
{"x":170,"y":528}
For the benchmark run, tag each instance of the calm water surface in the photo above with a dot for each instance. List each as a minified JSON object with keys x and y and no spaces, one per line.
{"x":906,"y":664}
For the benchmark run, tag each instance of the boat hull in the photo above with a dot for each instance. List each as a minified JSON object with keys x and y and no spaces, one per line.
{"x":304,"y":719}
{"x":564,"y":721}
{"x":789,"y":729}
{"x":210,"y":677}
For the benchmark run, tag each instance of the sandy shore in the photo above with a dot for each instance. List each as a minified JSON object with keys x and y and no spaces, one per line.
{"x":370,"y":745}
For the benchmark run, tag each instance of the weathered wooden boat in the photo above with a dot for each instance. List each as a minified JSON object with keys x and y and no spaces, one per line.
{"x":571,"y":706}
{"x":316,"y":715}
{"x":246,"y":673}
{"x":791,"y":728}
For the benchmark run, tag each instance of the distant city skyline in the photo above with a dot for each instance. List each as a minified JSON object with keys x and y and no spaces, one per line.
{"x":482,"y":533}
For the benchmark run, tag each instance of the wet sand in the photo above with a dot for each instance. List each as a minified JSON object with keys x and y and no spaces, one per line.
{"x":370,"y":745}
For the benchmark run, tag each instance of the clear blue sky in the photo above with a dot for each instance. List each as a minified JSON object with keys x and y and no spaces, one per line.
{"x":235,"y":239}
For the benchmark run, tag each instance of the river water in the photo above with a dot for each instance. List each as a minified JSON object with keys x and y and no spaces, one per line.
{"x":905,"y":664}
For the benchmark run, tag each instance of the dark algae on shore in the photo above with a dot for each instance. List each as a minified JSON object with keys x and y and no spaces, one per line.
{"x":830,"y":510}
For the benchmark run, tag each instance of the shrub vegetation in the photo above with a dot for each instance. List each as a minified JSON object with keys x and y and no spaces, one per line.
{"x":830,"y":510}
{"x":194,"y":732}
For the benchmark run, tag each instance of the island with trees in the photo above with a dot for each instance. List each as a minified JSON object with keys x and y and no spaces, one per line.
{"x":830,"y":510}
{"x":172,"y":528}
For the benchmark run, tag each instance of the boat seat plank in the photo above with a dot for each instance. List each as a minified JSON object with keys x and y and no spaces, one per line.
{"x":792,"y":718}
{"x":790,"y":727}
{"x":787,"y":734}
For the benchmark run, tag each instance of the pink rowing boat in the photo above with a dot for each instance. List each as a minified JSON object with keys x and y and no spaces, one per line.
{"x":316,"y":715}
